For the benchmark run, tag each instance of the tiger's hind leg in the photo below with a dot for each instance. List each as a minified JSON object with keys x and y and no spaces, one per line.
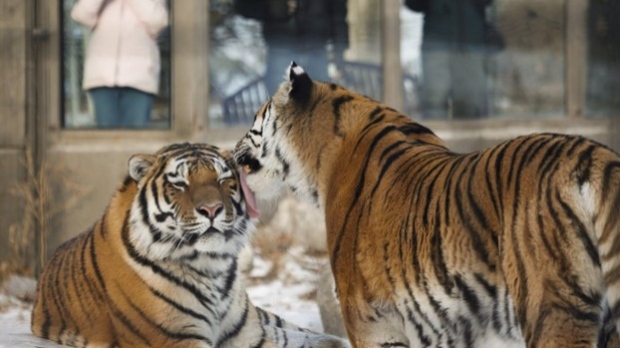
{"x":557,"y":298}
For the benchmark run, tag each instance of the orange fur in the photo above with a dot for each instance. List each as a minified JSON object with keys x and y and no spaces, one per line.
{"x":516,"y":244}
{"x":159,"y":269}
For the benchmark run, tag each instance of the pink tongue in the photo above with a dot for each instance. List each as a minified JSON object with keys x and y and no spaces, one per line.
{"x":250,"y":200}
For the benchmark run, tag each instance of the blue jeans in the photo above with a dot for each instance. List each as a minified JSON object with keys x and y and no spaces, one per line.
{"x":121,"y":107}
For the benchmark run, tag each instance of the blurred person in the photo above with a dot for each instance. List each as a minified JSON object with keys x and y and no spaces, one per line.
{"x":121,"y":71}
{"x":313,"y":33}
{"x":456,"y":42}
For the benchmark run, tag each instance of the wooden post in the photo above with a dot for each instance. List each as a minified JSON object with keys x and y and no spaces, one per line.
{"x":576,"y":56}
{"x":392,"y":70}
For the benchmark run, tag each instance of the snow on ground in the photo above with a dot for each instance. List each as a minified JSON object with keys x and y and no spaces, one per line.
{"x":289,"y":293}
{"x":292,"y":293}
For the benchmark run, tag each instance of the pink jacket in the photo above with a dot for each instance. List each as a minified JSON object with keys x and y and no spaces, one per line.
{"x":122,"y":51}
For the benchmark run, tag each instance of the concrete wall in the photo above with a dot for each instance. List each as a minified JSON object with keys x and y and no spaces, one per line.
{"x":13,"y":102}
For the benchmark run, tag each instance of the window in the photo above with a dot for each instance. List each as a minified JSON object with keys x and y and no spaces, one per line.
{"x":603,"y":73}
{"x":483,"y":58}
{"x":254,"y":41}
{"x":150,"y":98}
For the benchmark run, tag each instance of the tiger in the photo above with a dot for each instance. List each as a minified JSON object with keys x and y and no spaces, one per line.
{"x":516,"y":245}
{"x":159,"y":268}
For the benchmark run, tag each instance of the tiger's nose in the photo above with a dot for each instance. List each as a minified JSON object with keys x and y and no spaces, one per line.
{"x":210,"y":210}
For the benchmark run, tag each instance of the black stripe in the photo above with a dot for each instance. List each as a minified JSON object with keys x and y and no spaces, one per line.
{"x":285,"y":164}
{"x":127,"y":181}
{"x":337,"y":105}
{"x":386,"y":266}
{"x":230,"y":279}
{"x":47,"y":322}
{"x":77,"y":285}
{"x":550,"y":157}
{"x":263,"y":337}
{"x":516,"y":146}
{"x":584,"y":164}
{"x":155,"y":233}
{"x":117,"y":313}
{"x":480,"y":216}
{"x":102,"y":223}
{"x":438,"y":261}
{"x":388,"y":163}
{"x":400,"y":344}
{"x":366,"y":129}
{"x":180,"y":307}
{"x":236,"y":329}
{"x":469,"y":296}
{"x":440,"y":312}
{"x":582,"y":232}
{"x":534,"y":149}
{"x":133,"y":253}
{"x":491,"y":187}
{"x":414,"y":128}
{"x":174,"y":335}
{"x":374,"y":113}
{"x":358,"y":191}
{"x":608,"y":175}
{"x":60,"y":292}
{"x":440,"y":166}
{"x":92,"y":287}
{"x":576,"y":142}
{"x":478,"y":243}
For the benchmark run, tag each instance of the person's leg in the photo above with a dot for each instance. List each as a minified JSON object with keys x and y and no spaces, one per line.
{"x":106,"y":102}
{"x":436,"y":83}
{"x":135,"y":108}
{"x":469,"y":90}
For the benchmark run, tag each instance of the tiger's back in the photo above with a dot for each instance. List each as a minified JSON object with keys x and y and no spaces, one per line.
{"x":482,"y":242}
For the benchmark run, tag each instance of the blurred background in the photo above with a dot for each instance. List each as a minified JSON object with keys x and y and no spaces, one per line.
{"x":475,"y":71}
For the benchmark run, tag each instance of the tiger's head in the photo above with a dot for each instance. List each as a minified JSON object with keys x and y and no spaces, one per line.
{"x":293,"y":136}
{"x":190,"y":199}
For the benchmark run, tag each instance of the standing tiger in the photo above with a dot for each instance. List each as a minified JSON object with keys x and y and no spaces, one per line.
{"x":514,"y":246}
{"x":159,"y":269}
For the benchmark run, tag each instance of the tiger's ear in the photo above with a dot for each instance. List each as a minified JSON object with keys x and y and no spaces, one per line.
{"x":301,"y":84}
{"x":139,"y":165}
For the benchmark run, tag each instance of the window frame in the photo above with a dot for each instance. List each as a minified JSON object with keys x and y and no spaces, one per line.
{"x":189,"y":76}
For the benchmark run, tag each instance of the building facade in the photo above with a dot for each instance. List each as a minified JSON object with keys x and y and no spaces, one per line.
{"x":534,"y":66}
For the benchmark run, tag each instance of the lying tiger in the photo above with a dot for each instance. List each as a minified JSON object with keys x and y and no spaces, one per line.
{"x":159,"y":269}
{"x":514,"y":246}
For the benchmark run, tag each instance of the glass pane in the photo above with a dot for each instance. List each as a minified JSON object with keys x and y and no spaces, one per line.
{"x":602,"y":98}
{"x":254,"y":41}
{"x":483,"y":58}
{"x":116,"y":84}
